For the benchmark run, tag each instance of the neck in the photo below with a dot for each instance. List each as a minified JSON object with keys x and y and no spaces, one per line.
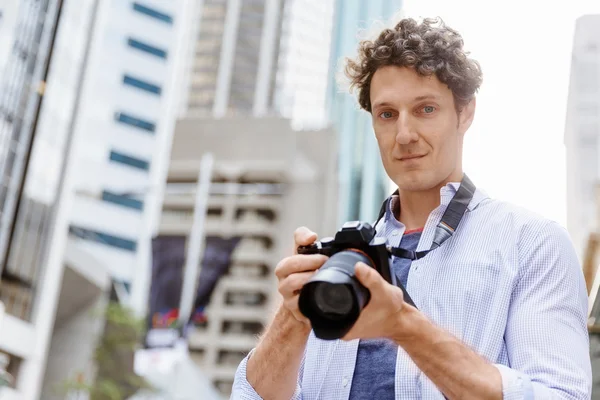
{"x":415,"y":206}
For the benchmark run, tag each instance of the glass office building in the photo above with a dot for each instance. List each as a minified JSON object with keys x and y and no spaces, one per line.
{"x":260,"y":57}
{"x":363,"y":183}
{"x":31,"y":153}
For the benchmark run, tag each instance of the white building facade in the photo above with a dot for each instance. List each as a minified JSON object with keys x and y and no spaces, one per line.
{"x":125,"y":123}
{"x":582,"y":133}
{"x":85,"y":118}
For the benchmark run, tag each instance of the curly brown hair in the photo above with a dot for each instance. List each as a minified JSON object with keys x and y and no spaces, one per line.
{"x":429,"y":47}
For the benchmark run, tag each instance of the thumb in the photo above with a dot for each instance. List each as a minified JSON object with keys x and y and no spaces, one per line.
{"x":368,"y":276}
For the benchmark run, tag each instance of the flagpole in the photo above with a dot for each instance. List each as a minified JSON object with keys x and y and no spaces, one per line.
{"x":195,"y":244}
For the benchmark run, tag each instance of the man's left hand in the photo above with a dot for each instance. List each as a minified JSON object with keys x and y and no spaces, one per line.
{"x":381,"y":318}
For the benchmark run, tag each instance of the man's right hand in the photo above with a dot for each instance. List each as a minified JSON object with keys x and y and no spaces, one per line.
{"x":293,"y":272}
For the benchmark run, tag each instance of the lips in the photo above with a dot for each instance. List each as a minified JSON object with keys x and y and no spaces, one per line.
{"x":411,"y":157}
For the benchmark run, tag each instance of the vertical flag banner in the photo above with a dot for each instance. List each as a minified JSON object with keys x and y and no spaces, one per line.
{"x":215,"y":263}
{"x":168,"y":260}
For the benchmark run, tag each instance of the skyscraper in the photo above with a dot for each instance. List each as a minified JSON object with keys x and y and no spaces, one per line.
{"x":363,"y":182}
{"x":260,"y":57}
{"x":582,"y":132}
{"x":125,"y":119}
{"x":100,"y":75}
{"x":236,"y":55}
{"x":8,"y":18}
{"x":44,"y":49}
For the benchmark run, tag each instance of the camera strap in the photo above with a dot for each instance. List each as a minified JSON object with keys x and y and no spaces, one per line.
{"x":448,"y":224}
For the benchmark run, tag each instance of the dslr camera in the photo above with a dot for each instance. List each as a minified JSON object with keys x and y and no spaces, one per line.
{"x":333,"y":298}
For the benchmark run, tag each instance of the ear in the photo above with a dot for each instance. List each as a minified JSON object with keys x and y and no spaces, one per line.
{"x":465,"y":117}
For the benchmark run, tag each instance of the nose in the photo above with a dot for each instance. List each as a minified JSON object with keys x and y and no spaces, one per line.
{"x":405,"y":132}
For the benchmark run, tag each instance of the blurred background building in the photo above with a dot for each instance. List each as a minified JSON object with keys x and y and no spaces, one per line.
{"x":88,"y":103}
{"x":58,"y":127}
{"x":267,"y":57}
{"x":363,"y":182}
{"x":45,"y":44}
{"x":259,"y":193}
{"x":125,"y":120}
{"x":582,"y":141}
{"x":582,"y":133}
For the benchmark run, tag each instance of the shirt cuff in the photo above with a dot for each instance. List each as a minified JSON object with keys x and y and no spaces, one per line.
{"x":515,"y":385}
{"x":243,"y":390}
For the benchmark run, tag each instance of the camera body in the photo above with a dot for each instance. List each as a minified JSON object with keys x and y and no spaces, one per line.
{"x":333,"y":298}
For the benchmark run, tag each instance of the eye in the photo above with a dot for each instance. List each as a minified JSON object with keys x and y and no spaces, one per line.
{"x":386,"y":114}
{"x":428,"y":109}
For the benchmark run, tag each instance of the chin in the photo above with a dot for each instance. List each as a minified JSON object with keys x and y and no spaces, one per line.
{"x":416,"y":181}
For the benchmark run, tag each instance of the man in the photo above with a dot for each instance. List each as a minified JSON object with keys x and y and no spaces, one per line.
{"x":501,"y":305}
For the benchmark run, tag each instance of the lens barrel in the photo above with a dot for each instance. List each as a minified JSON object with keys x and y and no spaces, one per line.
{"x":333,"y":299}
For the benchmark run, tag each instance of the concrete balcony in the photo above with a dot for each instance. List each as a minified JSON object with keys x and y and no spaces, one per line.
{"x":223,"y":373}
{"x":252,"y":223}
{"x":251,"y":285}
{"x":180,"y":223}
{"x":228,"y":341}
{"x":249,"y":223}
{"x":239,"y":313}
{"x":186,"y":201}
{"x":252,"y":251}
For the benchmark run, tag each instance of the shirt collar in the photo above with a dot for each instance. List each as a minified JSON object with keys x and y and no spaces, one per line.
{"x":446,"y":193}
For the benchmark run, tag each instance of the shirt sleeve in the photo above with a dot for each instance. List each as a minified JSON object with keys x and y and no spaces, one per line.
{"x":243,"y":390}
{"x":546,"y":334}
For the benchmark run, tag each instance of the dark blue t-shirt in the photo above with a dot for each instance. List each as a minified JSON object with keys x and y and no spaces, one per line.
{"x":375,"y":370}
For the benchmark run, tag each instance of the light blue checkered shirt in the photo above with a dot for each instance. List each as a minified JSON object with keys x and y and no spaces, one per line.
{"x":507,"y":283}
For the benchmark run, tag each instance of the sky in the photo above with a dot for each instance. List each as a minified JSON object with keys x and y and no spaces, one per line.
{"x":514,"y":150}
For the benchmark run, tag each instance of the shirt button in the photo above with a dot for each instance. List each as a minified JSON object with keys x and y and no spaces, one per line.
{"x":395,"y":232}
{"x":345,"y":382}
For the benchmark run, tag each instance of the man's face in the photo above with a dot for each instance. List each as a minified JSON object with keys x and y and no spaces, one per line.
{"x":419,"y":132}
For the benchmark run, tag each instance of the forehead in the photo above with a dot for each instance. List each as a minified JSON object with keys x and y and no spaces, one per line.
{"x":391,"y":84}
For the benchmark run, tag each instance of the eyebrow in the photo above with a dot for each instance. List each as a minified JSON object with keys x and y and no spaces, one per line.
{"x":426,"y":97}
{"x":416,"y":99}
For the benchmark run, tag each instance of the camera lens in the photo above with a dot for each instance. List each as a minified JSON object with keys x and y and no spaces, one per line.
{"x":333,"y":300}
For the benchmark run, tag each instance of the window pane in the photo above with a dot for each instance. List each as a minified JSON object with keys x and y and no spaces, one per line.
{"x":152,"y":13}
{"x":155,"y":51}
{"x":103,"y":238}
{"x":122,"y":200}
{"x":140,"y":84}
{"x":128,"y":160}
{"x":128,"y":119}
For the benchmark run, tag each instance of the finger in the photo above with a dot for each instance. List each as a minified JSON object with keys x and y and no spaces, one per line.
{"x":303,"y":237}
{"x":368,"y":276}
{"x":291,"y":285}
{"x":299,"y":263}
{"x":291,"y":304}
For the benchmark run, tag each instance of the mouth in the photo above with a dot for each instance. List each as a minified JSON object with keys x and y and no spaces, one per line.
{"x":412,"y":157}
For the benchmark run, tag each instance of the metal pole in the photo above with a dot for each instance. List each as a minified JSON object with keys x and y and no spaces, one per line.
{"x":195,"y":243}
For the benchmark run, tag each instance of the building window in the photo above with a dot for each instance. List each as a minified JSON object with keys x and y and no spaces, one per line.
{"x":140,"y":84}
{"x":152,"y":13}
{"x":135,"y":122}
{"x":147,"y":48}
{"x":103,"y":238}
{"x":130,"y":161}
{"x":122,"y":200}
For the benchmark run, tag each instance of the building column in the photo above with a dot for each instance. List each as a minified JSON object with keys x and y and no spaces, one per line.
{"x":227,"y":57}
{"x":268,"y":43}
